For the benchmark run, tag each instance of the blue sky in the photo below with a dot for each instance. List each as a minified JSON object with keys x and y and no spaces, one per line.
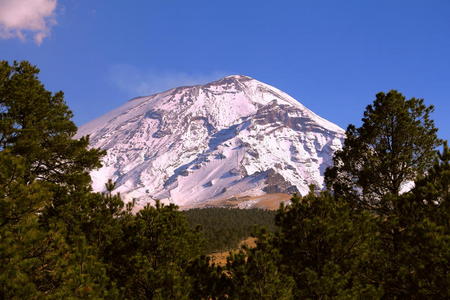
{"x":333,"y":56}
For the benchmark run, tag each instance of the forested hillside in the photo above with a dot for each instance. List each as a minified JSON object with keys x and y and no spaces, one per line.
{"x":224,"y":228}
{"x":365,"y":237}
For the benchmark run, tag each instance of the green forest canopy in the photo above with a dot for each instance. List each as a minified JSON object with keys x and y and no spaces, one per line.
{"x":224,"y":228}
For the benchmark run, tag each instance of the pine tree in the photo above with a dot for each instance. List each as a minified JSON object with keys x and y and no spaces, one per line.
{"x":257,"y":273}
{"x":44,"y":189}
{"x":36,"y":125}
{"x":157,"y":250}
{"x":322,"y":243}
{"x":394,"y":145}
{"x":411,"y":256}
{"x":208,"y":281}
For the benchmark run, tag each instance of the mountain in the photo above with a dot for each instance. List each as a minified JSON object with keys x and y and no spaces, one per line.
{"x":235,"y":137}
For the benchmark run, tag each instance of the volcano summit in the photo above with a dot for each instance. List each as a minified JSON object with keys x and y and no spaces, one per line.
{"x":199,"y":144}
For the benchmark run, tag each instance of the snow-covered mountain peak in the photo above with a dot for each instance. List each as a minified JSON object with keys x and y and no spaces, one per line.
{"x":237,"y":77}
{"x":233,"y":136}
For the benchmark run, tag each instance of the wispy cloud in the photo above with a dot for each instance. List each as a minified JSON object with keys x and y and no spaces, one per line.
{"x":19,"y":18}
{"x":136,"y":82}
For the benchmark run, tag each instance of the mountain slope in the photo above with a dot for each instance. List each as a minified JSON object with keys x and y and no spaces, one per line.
{"x":234,"y":136}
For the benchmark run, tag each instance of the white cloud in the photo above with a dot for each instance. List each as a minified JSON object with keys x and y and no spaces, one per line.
{"x":18,"y":18}
{"x":139,"y":83}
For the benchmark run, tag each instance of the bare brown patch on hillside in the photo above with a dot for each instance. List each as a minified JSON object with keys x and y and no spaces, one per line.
{"x":271,"y":201}
{"x":266,"y":201}
{"x":220,"y":258}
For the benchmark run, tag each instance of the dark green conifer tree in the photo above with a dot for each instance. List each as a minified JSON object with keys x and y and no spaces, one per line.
{"x":36,"y":125}
{"x":158,"y":248}
{"x":258,"y":273}
{"x":394,"y":145}
{"x":208,"y":281}
{"x":323,"y":243}
{"x":44,"y":178}
{"x":411,"y":255}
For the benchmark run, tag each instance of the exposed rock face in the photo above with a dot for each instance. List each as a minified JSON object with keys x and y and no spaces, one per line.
{"x":275,"y":183}
{"x":232,"y":137}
